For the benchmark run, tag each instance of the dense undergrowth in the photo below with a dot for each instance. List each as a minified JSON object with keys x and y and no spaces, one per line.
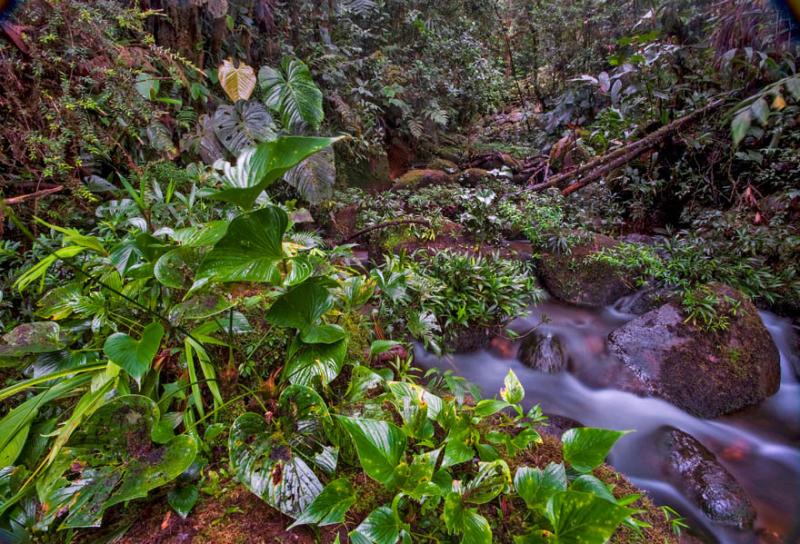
{"x":183,"y":309}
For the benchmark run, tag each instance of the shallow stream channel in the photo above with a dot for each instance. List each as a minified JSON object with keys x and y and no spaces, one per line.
{"x":758,"y":447}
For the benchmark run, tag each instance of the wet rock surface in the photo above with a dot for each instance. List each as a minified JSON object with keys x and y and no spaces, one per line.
{"x":579,"y":279}
{"x":543,"y":352}
{"x":697,"y":472}
{"x":644,"y":300}
{"x":707,"y":373}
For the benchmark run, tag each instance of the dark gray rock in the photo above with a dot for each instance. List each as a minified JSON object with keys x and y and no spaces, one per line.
{"x":543,"y":352}
{"x":644,"y":300}
{"x":705,"y":481}
{"x":706,"y":373}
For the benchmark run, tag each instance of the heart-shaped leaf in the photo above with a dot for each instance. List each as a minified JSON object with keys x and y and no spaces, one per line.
{"x":135,"y":356}
{"x":267,"y":164}
{"x":238,"y":82}
{"x":583,"y":518}
{"x":330,"y":506}
{"x":111,"y":459}
{"x":182,"y":499}
{"x":381,"y":526}
{"x":271,"y":469}
{"x":585,"y":448}
{"x":536,"y":485}
{"x":380,"y":445}
{"x":250,"y":250}
{"x":302,"y":306}
{"x":309,"y":363}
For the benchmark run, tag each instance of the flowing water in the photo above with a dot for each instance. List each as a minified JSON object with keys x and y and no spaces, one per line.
{"x":760,"y":446}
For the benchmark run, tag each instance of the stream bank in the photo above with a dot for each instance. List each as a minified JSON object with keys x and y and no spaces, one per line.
{"x":756,"y":445}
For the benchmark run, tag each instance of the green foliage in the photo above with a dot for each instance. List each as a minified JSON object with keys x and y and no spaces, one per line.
{"x":111,"y":459}
{"x":291,"y":92}
{"x":586,"y":448}
{"x":270,"y":468}
{"x":453,"y":292}
{"x":134,"y":356}
{"x":266,"y":164}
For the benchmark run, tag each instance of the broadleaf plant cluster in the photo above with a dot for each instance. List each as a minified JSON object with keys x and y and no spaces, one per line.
{"x":130,"y":373}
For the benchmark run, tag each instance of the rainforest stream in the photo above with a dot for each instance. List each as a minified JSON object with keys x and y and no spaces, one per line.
{"x":757,"y":445}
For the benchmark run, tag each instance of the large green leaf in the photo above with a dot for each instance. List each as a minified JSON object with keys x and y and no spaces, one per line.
{"x":182,"y":499}
{"x":315,"y":177}
{"x":38,"y":337}
{"x":535,"y":485}
{"x":135,"y":356}
{"x":267,"y":163}
{"x":242,"y":126}
{"x":301,"y":306}
{"x":323,"y":334}
{"x":330,"y":506}
{"x":586,"y":448}
{"x":309,"y":363}
{"x":111,"y":459}
{"x":251,"y":249}
{"x":380,"y":445}
{"x":269,"y":468}
{"x":583,"y":518}
{"x":176,"y":268}
{"x":292,"y":93}
{"x":382,"y":526}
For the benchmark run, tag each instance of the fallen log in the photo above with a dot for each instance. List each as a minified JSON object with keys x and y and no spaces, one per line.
{"x":387,"y":224}
{"x":600,"y":166}
{"x":38,"y":194}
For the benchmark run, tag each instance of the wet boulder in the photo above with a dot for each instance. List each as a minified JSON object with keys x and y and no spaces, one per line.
{"x":707,"y":373}
{"x":578,"y":278}
{"x":543,"y":352}
{"x":645,"y":300}
{"x":419,"y":178}
{"x":695,"y":470}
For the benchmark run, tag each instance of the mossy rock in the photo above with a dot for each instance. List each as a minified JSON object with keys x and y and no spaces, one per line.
{"x":419,"y":178}
{"x":708,"y":374}
{"x":579,"y":279}
{"x":443,"y":164}
{"x":473,"y":177}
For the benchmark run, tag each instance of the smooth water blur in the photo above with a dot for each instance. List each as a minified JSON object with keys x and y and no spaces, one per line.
{"x":760,"y":446}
